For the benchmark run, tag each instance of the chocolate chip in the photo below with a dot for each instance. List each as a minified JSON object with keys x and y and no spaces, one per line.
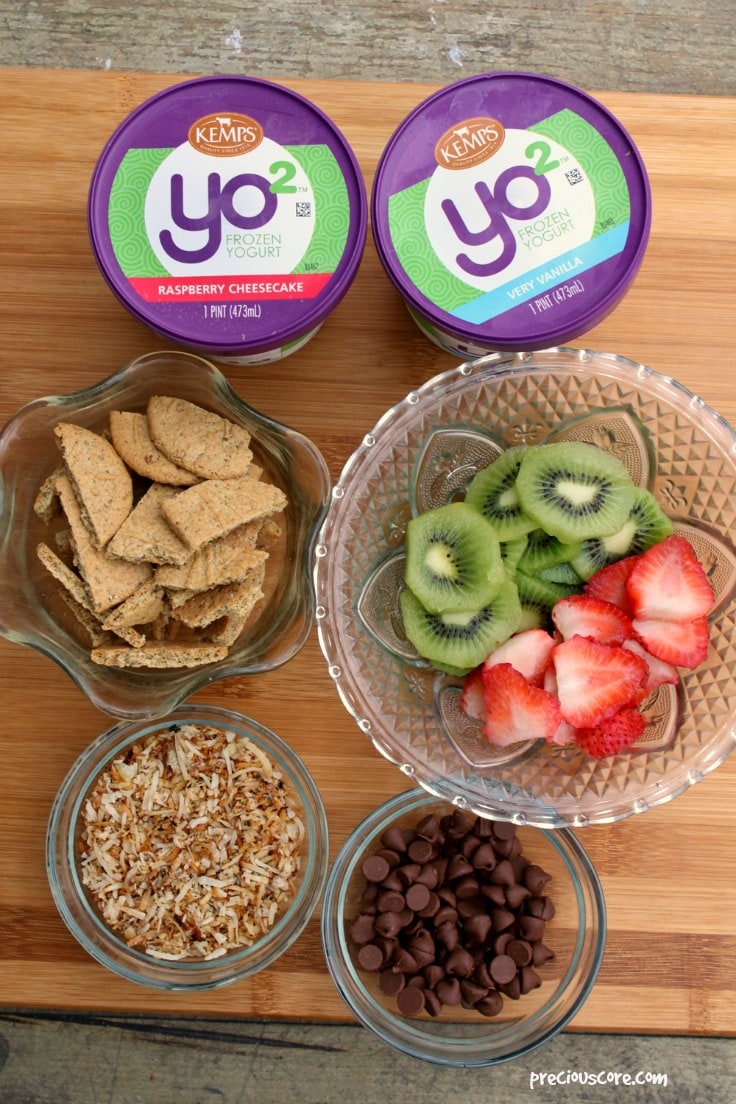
{"x":541,"y":954}
{"x":460,"y":963}
{"x":432,"y":1003}
{"x":484,"y":857}
{"x":404,"y":962}
{"x":528,"y":979}
{"x":449,"y":992}
{"x":370,"y":957}
{"x":516,"y":895}
{"x":502,"y":969}
{"x":417,"y":896}
{"x":540,"y":907}
{"x":502,"y":919}
{"x":421,"y":850}
{"x":477,"y":929}
{"x":362,"y":928}
{"x":390,"y":901}
{"x":393,"y":858}
{"x":431,"y":908}
{"x":393,"y":839}
{"x":390,"y":982}
{"x":520,"y":951}
{"x":504,"y":829}
{"x":375,"y":868}
{"x":433,"y":975}
{"x":411,"y":1000}
{"x":428,"y":876}
{"x":446,"y":915}
{"x":472,"y":992}
{"x":458,"y":867}
{"x":531,"y":928}
{"x":503,"y":874}
{"x":388,"y":923}
{"x":429,"y":828}
{"x":490,"y":1005}
{"x":466,"y":886}
{"x":535,"y":878}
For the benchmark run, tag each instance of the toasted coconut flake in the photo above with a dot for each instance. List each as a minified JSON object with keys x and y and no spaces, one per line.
{"x":190,"y":845}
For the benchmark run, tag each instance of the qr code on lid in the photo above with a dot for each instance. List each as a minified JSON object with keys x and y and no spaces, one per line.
{"x":303,"y":209}
{"x":574,"y":176}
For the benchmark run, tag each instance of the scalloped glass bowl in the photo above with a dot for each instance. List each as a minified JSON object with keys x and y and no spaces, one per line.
{"x":422,"y":453}
{"x":83,"y":920}
{"x":576,"y":934}
{"x":31,"y":609}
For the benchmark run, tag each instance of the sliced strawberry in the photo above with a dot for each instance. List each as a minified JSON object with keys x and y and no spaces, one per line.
{"x":612,"y":735}
{"x":610,"y":583}
{"x":472,"y":695}
{"x":681,"y":643}
{"x":659,"y":671}
{"x":668,"y":583}
{"x":529,"y":651}
{"x":563,"y":734}
{"x":595,"y":680}
{"x":516,"y":709}
{"x":585,"y":615}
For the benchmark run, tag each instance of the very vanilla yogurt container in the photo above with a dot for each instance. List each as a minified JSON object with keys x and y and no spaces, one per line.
{"x":229,"y":215}
{"x":511,"y":211}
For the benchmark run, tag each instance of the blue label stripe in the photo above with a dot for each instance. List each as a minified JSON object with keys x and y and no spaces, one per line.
{"x":492,"y":303}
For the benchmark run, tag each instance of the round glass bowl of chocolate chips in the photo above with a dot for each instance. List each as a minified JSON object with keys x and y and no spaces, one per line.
{"x":457,"y":939}
{"x":187,"y":853}
{"x":156,"y":534}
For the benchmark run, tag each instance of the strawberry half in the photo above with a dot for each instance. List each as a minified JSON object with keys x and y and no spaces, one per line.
{"x":529,"y":651}
{"x":472,"y":695}
{"x":585,"y":615}
{"x":610,"y":583}
{"x":659,"y":671}
{"x":612,"y":735}
{"x":681,"y":643}
{"x":668,"y":583}
{"x":595,"y":680}
{"x":516,"y":710}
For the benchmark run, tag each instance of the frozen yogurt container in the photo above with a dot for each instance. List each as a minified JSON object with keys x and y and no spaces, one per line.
{"x":229,"y":215}
{"x":512,"y":212}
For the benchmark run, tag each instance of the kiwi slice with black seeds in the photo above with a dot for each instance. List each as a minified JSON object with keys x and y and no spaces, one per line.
{"x":575,"y":490}
{"x":562,"y":573}
{"x":540,"y":595}
{"x":493,"y":493}
{"x":453,"y":559}
{"x":543,"y":551}
{"x":511,"y":553}
{"x":646,"y":524}
{"x":457,"y":642}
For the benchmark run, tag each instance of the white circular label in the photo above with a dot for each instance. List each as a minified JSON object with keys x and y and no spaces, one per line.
{"x":497,"y":220}
{"x":212,"y":216}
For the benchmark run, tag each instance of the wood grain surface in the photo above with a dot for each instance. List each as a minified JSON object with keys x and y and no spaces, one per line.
{"x":670,"y":963}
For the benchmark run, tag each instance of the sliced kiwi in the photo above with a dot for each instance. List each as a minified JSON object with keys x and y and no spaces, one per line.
{"x":493,"y":493}
{"x":511,"y":553}
{"x":453,"y":560}
{"x":562,"y":573}
{"x":537,"y":597}
{"x":457,"y":642}
{"x":574,"y":490}
{"x":543,"y":551}
{"x":646,"y":524}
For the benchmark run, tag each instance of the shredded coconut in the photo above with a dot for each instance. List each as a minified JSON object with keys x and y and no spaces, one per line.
{"x":191,"y":843}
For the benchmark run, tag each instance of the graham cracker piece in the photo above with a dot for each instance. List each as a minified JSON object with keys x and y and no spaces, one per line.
{"x":198,"y":440}
{"x":225,"y":560}
{"x":158,"y":655}
{"x":142,"y":608}
{"x":46,"y":503}
{"x":145,"y":535}
{"x":77,"y":597}
{"x":109,"y":580}
{"x":211,"y":509}
{"x":132,"y":441}
{"x":101,"y":481}
{"x":232,"y":599}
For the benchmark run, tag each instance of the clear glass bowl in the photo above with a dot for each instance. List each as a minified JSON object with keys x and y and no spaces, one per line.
{"x":422,"y":453}
{"x":83,"y":920}
{"x":576,"y":934}
{"x":32,"y":611}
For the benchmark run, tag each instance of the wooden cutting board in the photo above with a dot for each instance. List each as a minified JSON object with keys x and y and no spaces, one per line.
{"x":670,"y":964}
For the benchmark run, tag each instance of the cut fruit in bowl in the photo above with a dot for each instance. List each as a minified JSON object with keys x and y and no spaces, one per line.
{"x":471,"y":437}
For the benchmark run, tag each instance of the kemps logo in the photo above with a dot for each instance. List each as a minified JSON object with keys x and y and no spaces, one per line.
{"x":469,"y":143}
{"x":225,"y":135}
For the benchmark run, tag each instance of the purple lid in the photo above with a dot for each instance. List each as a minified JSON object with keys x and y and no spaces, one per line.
{"x":511,"y":211}
{"x":228,"y":214}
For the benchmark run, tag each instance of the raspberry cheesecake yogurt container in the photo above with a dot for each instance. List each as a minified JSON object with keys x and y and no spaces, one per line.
{"x":512,"y":212}
{"x":229,"y":215}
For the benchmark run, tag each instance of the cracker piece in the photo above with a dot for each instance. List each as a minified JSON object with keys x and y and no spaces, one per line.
{"x":103,"y":484}
{"x":225,"y":560}
{"x":109,"y":580}
{"x":268,"y":534}
{"x":46,"y":503}
{"x":70,"y":581}
{"x":158,"y":655}
{"x":199,"y":440}
{"x":211,"y":509}
{"x":77,"y":597}
{"x":132,"y":441}
{"x":142,"y":608}
{"x":231,"y":599}
{"x":145,"y":535}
